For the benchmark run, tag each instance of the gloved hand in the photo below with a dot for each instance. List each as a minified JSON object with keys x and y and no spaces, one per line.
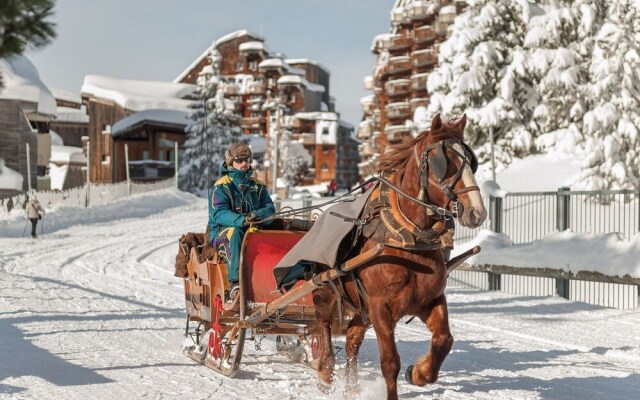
{"x":252,"y":217}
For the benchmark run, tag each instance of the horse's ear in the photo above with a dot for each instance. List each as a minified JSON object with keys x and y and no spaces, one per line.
{"x":463,"y":122}
{"x":436,"y":123}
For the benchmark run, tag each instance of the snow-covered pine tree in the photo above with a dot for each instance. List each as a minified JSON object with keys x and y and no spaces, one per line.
{"x":215,"y":126}
{"x":477,"y":75}
{"x":613,"y":101}
{"x":293,"y":165}
{"x":558,"y":44}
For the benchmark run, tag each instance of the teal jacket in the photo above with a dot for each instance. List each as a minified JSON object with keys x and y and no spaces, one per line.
{"x":233,"y":197}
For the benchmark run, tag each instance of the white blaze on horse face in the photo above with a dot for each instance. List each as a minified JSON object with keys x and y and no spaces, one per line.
{"x":474,"y":212}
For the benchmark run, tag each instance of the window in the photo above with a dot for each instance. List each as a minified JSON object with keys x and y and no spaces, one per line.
{"x":145,"y":155}
{"x":325,"y":149}
{"x":239,"y":65}
{"x":325,"y":130}
{"x":325,"y":167}
{"x":253,"y":65}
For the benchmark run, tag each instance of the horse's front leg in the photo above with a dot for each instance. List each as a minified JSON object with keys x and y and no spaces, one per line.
{"x":384,"y":325}
{"x":355,"y":336}
{"x":427,"y":367}
{"x":324,"y":301}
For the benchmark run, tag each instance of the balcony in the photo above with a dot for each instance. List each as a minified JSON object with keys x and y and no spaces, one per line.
{"x":399,"y":42}
{"x":441,"y":28}
{"x":369,"y":104}
{"x":423,"y":58}
{"x":395,"y":133}
{"x":418,"y":102}
{"x":447,"y":14}
{"x":252,"y":122}
{"x":420,"y":9}
{"x":368,"y":83}
{"x":399,"y":110}
{"x":366,"y":149}
{"x":397,"y":87}
{"x":400,"y":16}
{"x":419,"y":82}
{"x":231,"y":89}
{"x":398,"y":64}
{"x":145,"y":170}
{"x":364,"y":130}
{"x":424,"y":34}
{"x":257,"y":88}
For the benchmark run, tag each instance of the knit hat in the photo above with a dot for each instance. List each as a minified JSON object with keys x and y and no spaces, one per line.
{"x":239,"y":150}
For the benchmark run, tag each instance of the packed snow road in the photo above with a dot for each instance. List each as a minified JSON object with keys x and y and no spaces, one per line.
{"x":91,"y":310}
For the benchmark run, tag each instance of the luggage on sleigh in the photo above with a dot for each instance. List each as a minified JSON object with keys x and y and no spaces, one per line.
{"x":216,"y":331}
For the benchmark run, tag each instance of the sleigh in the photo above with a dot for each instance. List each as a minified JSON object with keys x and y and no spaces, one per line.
{"x":216,"y":331}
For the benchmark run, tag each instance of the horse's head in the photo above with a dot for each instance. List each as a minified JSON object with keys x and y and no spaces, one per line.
{"x":448,"y":165}
{"x":437,"y":168}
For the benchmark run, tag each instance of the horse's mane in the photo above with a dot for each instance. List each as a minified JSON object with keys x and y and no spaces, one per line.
{"x":396,"y":159}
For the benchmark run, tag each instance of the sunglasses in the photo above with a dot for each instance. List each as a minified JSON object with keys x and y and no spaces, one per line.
{"x":241,"y":160}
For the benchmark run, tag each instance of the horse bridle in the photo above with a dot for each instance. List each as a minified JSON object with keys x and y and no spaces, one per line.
{"x":434,"y":158}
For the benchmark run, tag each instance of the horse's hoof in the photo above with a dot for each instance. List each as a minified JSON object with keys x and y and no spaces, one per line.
{"x":408,"y":374}
{"x":325,"y":387}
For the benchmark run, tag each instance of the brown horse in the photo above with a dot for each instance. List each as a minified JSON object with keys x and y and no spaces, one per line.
{"x":430,"y":181}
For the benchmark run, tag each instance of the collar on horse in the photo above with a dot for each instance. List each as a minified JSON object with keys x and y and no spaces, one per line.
{"x":393,"y":228}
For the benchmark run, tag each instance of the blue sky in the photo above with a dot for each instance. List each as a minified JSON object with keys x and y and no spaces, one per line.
{"x":158,"y":39}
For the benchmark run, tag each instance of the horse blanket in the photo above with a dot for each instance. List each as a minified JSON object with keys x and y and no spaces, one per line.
{"x":322,"y":242}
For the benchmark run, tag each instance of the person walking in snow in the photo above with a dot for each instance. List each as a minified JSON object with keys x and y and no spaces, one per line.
{"x":33,"y":213}
{"x":236,"y":202}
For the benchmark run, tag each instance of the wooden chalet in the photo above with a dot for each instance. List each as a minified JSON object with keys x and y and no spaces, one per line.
{"x":27,"y":108}
{"x":149,"y":117}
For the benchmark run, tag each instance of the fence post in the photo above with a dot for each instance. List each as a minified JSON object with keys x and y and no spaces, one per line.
{"x":562,"y":209}
{"x":495,"y":213}
{"x":562,"y":287}
{"x":307,"y":203}
{"x":494,"y":281}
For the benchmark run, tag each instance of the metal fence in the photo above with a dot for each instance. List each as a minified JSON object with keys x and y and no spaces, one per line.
{"x":526,"y":217}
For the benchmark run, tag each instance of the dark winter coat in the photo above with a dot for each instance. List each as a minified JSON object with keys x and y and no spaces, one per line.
{"x":235,"y":196}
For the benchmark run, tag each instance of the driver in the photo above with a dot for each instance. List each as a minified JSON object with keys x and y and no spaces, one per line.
{"x":236,"y":201}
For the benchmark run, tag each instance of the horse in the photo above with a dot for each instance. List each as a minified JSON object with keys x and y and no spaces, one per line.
{"x":426,"y":182}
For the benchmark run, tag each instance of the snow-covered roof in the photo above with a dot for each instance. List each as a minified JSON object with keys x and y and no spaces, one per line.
{"x":257,"y":46}
{"x":139,"y":95}
{"x":298,"y":80}
{"x":22,"y":82}
{"x":237,"y":34}
{"x":272,"y":62}
{"x":174,"y":118}
{"x":382,"y":37}
{"x":451,"y":9}
{"x":307,"y":61}
{"x":60,"y":94}
{"x":194,"y":64}
{"x":67,"y":155}
{"x":9,"y":179}
{"x":68,"y":114}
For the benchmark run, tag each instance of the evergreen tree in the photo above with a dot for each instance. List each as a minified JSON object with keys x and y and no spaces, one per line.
{"x":214,"y":128}
{"x":478,"y":75}
{"x":613,"y":101}
{"x":24,"y":23}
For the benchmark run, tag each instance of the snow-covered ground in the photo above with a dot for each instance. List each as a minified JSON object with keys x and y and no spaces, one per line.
{"x":91,"y":310}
